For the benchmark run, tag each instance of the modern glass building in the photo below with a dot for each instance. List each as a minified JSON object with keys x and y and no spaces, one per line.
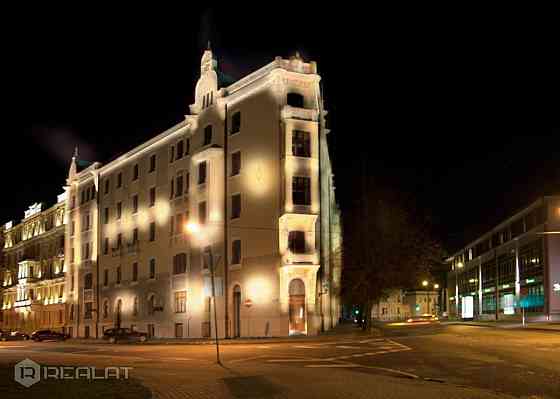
{"x":513,"y":269}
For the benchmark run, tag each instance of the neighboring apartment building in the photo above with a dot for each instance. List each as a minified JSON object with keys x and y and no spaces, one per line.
{"x":512,"y":269}
{"x":32,"y":274}
{"x":249,"y":171}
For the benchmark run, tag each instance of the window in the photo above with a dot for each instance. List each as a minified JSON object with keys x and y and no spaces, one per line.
{"x":178,"y":330}
{"x":180,"y":301}
{"x":119,"y":210}
{"x":171,"y":225}
{"x":235,"y":206}
{"x":180,"y":149}
{"x":135,"y":172}
{"x":179,"y":222}
{"x":152,"y":231}
{"x":106,"y":216}
{"x":206,"y":257}
{"x":119,"y":240}
{"x":72,"y":253}
{"x":301,"y":146}
{"x":88,"y":281}
{"x":202,"y":172}
{"x":187,"y":146}
{"x":106,"y":277}
{"x":152,"y":163}
{"x":207,"y":135}
{"x":301,"y":190}
{"x":172,"y":189}
{"x":87,"y":315}
{"x":135,"y":271}
{"x":134,"y":310}
{"x":296,"y":242}
{"x":119,"y":275}
{"x":180,"y":263}
{"x":135,"y":235}
{"x":119,"y":180}
{"x":235,"y":123}
{"x":135,"y":203}
{"x":236,"y":252}
{"x":235,"y":163}
{"x":202,"y":212}
{"x":295,"y":100}
{"x":73,"y":228}
{"x":152,"y":196}
{"x":106,"y":246}
{"x":105,"y":308}
{"x":172,"y":153}
{"x":179,"y":186}
{"x":86,"y":251}
{"x":107,"y":186}
{"x":187,"y":183}
{"x":152,"y":268}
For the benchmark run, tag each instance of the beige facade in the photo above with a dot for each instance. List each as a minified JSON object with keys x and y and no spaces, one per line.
{"x":32,"y":275}
{"x":392,"y":308}
{"x":250,"y":169}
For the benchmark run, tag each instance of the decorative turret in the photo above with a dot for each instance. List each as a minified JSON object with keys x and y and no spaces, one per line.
{"x":73,"y":168}
{"x":206,"y":90}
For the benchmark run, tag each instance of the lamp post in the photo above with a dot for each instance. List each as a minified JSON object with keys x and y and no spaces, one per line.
{"x":425,"y":284}
{"x":194,"y":228}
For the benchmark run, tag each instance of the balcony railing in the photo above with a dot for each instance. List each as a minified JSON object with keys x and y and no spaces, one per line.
{"x":289,"y":112}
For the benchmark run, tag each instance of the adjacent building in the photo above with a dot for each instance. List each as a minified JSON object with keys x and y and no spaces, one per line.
{"x":33,"y":274}
{"x":244,"y":186}
{"x":513,"y":269}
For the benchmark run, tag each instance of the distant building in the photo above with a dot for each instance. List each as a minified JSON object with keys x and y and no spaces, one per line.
{"x":248,"y":171}
{"x":421,"y":302}
{"x":32,"y":275}
{"x":513,"y":268}
{"x":392,"y":308}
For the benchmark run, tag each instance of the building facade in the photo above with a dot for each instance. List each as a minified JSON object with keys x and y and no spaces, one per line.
{"x":243,"y":186}
{"x":392,"y":308}
{"x":33,"y":274}
{"x":512,"y":270}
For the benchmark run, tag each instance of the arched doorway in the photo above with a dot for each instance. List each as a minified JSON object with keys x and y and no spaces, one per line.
{"x":297,"y":312}
{"x":237,"y":312}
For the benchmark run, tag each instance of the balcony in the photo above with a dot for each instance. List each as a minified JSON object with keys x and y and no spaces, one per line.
{"x":133,"y":247}
{"x":289,"y":112}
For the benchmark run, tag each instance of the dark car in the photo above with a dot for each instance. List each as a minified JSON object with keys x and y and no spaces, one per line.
{"x":124,"y":334}
{"x":48,"y":335}
{"x":13,"y":336}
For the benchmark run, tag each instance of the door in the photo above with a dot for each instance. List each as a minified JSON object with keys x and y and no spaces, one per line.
{"x":297,"y":311}
{"x":236,"y":312}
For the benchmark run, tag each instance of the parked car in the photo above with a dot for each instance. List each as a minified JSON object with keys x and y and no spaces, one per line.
{"x":13,"y":336}
{"x":124,"y":334}
{"x":48,"y":335}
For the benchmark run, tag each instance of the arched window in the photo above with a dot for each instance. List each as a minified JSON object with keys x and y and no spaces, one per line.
{"x":135,"y":306}
{"x":295,"y":100}
{"x":151,"y":304}
{"x":297,"y":287}
{"x":105,"y":308}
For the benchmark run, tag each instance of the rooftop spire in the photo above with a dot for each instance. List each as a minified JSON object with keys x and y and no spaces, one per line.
{"x":75,"y":152}
{"x":208,"y":47}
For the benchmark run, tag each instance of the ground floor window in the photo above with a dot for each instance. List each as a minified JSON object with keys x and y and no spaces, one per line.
{"x":86,"y":331}
{"x":151,"y":330}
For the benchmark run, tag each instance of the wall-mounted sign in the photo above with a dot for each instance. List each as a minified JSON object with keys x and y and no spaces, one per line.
{"x":556,"y":287}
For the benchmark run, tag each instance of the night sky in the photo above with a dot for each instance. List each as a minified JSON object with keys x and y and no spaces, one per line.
{"x":441,"y":112}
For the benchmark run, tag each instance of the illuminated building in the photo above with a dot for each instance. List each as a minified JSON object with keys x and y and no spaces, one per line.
{"x":512,"y":269}
{"x":250,"y":166}
{"x":32,"y":276}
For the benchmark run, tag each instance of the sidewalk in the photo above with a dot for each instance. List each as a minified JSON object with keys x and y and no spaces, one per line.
{"x":345,"y":330}
{"x":507,"y":324}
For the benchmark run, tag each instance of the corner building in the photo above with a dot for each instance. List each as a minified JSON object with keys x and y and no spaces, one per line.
{"x":249,"y":170}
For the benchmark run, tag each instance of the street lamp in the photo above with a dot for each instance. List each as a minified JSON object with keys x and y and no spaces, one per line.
{"x":425,"y":283}
{"x":194,"y":228}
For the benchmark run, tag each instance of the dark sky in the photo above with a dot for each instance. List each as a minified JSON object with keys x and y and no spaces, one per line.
{"x":454,"y":115}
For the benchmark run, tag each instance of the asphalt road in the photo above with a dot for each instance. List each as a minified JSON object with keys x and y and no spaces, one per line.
{"x":451,"y":361}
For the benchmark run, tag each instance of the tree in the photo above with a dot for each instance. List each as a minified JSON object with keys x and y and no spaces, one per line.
{"x":388,"y":244}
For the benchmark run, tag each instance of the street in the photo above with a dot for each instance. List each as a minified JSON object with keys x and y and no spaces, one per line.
{"x":434,"y":360}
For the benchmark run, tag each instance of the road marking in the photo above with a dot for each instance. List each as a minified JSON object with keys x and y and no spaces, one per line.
{"x":263,"y":347}
{"x":180,"y":358}
{"x":303,"y":347}
{"x":246,"y":359}
{"x":348,"y":347}
{"x":331,"y":365}
{"x":13,"y":346}
{"x":365,"y":341}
